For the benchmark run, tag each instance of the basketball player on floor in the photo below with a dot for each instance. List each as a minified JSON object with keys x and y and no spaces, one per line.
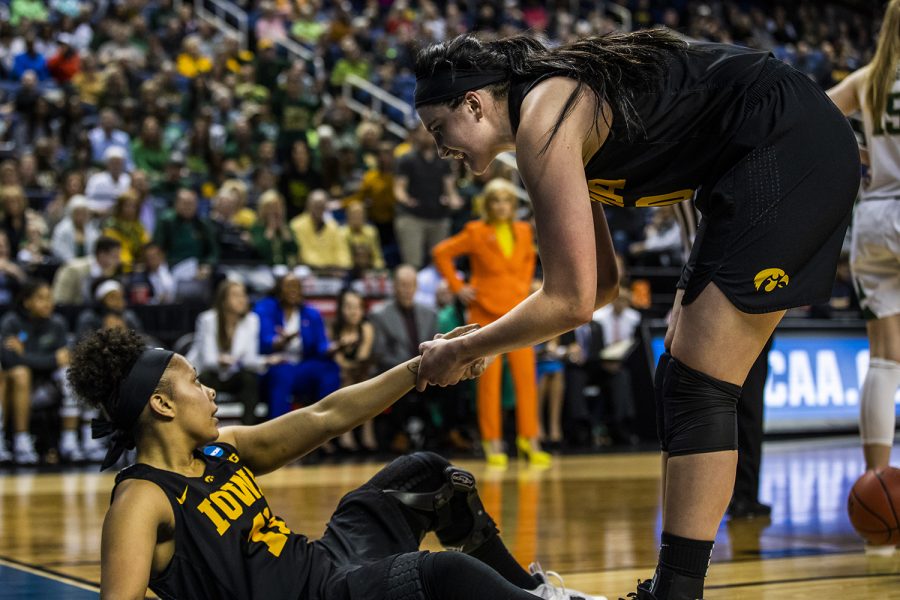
{"x":189,"y":520}
{"x":874,"y":90}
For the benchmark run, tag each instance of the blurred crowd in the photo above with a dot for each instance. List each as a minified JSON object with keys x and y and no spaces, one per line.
{"x":152,"y":166}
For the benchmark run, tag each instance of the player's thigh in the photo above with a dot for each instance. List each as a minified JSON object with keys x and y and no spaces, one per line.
{"x":716,"y":338}
{"x":673,"y":320}
{"x":884,"y":337}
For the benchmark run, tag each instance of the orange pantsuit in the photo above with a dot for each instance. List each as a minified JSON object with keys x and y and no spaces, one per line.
{"x":500,"y":282}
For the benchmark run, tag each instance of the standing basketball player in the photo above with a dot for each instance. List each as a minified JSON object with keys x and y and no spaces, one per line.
{"x":189,"y":520}
{"x":644,"y":119}
{"x":874,"y":91}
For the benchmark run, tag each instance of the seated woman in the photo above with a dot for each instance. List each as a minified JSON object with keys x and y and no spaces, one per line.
{"x":189,"y":519}
{"x":109,"y":309}
{"x":353,"y":337}
{"x":11,"y":275}
{"x":125,"y":225}
{"x":35,"y":357}
{"x":226,"y":347}
{"x":74,"y":236}
{"x":295,"y":331}
{"x":273,"y":239}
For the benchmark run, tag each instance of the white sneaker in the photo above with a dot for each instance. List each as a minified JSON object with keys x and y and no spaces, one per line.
{"x":5,"y":455}
{"x":24,"y":453}
{"x":71,"y":454}
{"x":548,"y":591}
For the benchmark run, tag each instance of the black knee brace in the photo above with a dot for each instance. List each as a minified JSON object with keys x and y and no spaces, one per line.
{"x":699,"y":411}
{"x":455,"y":510}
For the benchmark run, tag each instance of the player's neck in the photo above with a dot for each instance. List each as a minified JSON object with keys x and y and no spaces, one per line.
{"x":170,"y":453}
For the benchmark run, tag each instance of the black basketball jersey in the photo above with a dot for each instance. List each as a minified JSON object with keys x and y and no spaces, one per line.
{"x":228,"y":544}
{"x":690,"y":120}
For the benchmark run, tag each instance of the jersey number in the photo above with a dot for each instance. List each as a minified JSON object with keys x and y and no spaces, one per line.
{"x":269,"y":530}
{"x":891,"y":116}
{"x":606,"y":191}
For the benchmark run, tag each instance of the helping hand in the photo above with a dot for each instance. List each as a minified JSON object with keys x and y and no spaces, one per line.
{"x":441,"y":361}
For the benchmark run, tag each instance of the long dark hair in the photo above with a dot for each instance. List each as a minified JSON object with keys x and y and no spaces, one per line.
{"x":223,"y":339}
{"x":614,"y":67}
{"x":339,"y":323}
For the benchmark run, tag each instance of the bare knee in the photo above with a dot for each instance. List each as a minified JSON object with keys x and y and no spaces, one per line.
{"x":19,"y":376}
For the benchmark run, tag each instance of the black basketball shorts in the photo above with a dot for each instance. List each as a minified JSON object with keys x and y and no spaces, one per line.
{"x":773,"y":225}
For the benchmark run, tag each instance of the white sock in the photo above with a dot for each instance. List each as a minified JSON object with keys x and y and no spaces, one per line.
{"x":68,"y":438}
{"x":876,"y":415}
{"x":22,"y":441}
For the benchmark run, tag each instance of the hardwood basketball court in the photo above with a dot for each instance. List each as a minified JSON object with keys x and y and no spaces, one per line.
{"x":594,"y":519}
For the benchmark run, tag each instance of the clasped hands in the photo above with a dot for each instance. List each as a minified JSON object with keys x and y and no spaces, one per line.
{"x":444,"y":362}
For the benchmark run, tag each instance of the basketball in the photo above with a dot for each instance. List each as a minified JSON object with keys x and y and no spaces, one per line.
{"x":874,"y":506}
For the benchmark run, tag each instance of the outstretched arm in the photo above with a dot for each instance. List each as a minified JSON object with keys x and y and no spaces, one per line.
{"x":273,"y":444}
{"x":573,"y":240}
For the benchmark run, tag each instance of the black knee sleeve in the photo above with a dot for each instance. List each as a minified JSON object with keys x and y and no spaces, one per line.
{"x":658,"y":379}
{"x":446,"y":497}
{"x":404,"y":581}
{"x":699,"y":411}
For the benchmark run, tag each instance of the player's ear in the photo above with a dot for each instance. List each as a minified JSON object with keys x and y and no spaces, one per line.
{"x":473,"y":102}
{"x":162,"y":404}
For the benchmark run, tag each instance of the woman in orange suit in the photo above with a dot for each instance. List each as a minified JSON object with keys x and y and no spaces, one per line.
{"x":502,"y":257}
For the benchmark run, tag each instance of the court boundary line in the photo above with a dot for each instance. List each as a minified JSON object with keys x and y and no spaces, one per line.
{"x":727,"y":586}
{"x":39,"y":571}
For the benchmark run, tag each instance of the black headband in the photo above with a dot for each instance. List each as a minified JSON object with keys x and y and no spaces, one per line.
{"x":445,"y":85}
{"x":134,"y":393}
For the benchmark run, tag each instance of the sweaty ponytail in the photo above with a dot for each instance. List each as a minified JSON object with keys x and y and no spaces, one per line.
{"x":614,"y":67}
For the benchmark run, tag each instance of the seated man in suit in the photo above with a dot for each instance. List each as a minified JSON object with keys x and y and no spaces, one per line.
{"x":400,"y":326}
{"x":296,"y":332}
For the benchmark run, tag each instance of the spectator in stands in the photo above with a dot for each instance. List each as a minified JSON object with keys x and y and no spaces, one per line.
{"x":107,"y":135}
{"x":191,"y":62}
{"x":425,"y":189}
{"x":619,"y":324}
{"x":152,"y":282}
{"x":108,"y":310}
{"x":502,"y":258}
{"x":270,"y":25}
{"x":15,"y":208}
{"x":129,"y":52}
{"x":551,"y":391}
{"x":353,"y":339}
{"x":272,"y":238}
{"x":34,"y":250}
{"x":299,"y":178}
{"x":226,"y":347}
{"x":63,"y":65}
{"x":233,"y":239}
{"x":35,"y":357}
{"x":662,"y":243}
{"x":30,"y":60}
{"x":183,"y":234}
{"x":105,"y":186}
{"x":147,"y":150}
{"x":352,"y":62}
{"x":89,"y":82}
{"x":72,"y":282}
{"x":295,"y":331}
{"x":57,"y":209}
{"x":32,"y":11}
{"x":319,"y":237}
{"x":400,"y":326}
{"x":11,"y":277}
{"x":376,"y":192}
{"x":124,"y":225}
{"x":359,"y":233}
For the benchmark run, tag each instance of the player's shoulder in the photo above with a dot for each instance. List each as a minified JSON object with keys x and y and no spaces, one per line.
{"x":136,"y":496}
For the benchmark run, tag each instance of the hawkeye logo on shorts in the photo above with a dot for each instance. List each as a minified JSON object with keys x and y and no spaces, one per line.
{"x":769,"y":280}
